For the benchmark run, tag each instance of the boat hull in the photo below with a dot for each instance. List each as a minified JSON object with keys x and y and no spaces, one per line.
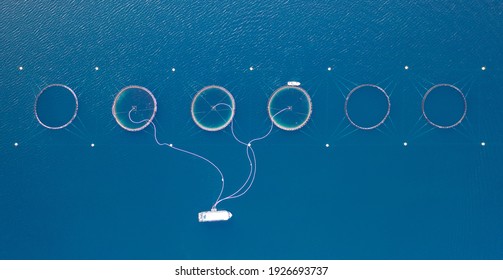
{"x":214,"y":216}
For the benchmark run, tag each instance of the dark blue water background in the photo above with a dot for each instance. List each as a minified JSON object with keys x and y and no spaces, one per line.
{"x":366,"y":196}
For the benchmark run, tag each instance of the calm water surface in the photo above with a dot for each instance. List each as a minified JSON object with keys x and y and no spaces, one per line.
{"x":366,"y":196}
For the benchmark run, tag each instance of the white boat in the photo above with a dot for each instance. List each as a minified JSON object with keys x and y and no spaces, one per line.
{"x":293,"y":83}
{"x":214,"y":215}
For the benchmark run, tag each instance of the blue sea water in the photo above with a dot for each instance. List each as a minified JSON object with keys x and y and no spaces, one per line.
{"x":365,"y":196}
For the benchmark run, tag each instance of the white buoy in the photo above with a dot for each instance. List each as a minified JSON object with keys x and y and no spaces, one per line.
{"x":483,"y":68}
{"x":329,"y":68}
{"x":173,"y":69}
{"x":483,"y":144}
{"x":406,"y":67}
{"x":20,"y":68}
{"x":16,"y":144}
{"x":92,"y":145}
{"x":405,"y":144}
{"x":251,"y":68}
{"x":96,"y":68}
{"x":327,"y":145}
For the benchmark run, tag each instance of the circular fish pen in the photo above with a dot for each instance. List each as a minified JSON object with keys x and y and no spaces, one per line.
{"x":360,"y":106}
{"x":290,"y":108}
{"x":442,"y":96}
{"x":138,"y":99}
{"x":213,"y":108}
{"x":56,"y":106}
